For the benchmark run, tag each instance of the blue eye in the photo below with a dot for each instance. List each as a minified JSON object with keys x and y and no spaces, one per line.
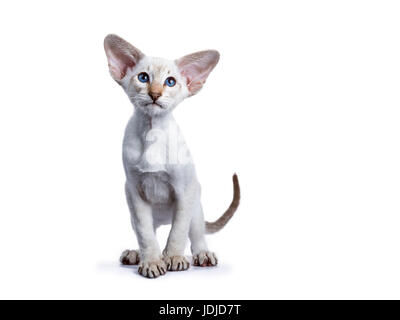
{"x":170,"y":82}
{"x":143,"y":77}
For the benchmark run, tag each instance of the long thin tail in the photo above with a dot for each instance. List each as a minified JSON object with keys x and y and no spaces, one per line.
{"x":212,"y":227}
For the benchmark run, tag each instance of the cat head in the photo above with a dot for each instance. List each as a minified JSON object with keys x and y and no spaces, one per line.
{"x":155,"y":85}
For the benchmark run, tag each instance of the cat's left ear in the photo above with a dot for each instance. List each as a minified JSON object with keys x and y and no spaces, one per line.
{"x":121,"y":55}
{"x":196,"y":67}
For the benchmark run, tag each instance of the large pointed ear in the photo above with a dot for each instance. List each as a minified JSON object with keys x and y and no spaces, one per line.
{"x":196,"y":67}
{"x":121,"y":55}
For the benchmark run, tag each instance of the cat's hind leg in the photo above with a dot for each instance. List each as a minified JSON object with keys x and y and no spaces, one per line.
{"x":202,"y":257}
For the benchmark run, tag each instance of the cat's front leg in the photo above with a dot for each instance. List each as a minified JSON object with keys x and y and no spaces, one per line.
{"x":151,"y":264}
{"x":178,"y":236}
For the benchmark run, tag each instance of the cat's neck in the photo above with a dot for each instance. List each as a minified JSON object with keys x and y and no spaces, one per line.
{"x":145,"y":122}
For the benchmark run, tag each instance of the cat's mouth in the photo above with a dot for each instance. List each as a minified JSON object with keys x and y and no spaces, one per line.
{"x":154,"y":104}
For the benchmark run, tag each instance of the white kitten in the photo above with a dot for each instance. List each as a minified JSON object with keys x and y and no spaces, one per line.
{"x":161,"y":183}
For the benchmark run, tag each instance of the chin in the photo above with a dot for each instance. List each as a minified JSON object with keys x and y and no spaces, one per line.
{"x":153,"y":109}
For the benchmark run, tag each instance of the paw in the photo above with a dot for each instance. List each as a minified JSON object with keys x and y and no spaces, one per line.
{"x":176,"y":263}
{"x":152,"y":269}
{"x":129,"y":257}
{"x":205,"y":259}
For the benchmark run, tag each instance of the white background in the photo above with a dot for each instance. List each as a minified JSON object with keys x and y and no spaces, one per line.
{"x":304,"y":105}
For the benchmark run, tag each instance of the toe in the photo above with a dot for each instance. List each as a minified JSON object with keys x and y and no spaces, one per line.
{"x":205,"y":259}
{"x":212,"y":259}
{"x":152,"y":269}
{"x":176,"y":263}
{"x":129,"y":257}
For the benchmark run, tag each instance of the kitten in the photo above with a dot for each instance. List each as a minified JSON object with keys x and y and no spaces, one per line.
{"x":161,"y":183}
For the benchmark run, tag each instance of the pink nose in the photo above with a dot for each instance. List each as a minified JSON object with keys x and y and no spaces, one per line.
{"x":154,"y":95}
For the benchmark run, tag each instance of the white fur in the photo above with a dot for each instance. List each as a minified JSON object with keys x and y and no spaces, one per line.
{"x":161,"y":183}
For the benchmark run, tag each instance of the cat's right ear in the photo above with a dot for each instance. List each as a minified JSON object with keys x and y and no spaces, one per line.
{"x":121,"y":56}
